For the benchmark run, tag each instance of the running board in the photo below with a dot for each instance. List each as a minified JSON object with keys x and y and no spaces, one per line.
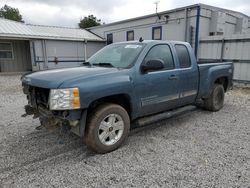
{"x":165,"y":115}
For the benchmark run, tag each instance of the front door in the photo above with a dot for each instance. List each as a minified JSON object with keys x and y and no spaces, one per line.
{"x":158,"y":90}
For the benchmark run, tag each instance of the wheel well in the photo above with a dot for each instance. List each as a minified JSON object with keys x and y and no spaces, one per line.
{"x":223,"y":81}
{"x":120,"y":99}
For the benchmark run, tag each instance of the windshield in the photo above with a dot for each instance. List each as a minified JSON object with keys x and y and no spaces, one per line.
{"x":117,"y":55}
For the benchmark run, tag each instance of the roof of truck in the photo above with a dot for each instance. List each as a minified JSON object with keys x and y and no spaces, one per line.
{"x":151,"y":41}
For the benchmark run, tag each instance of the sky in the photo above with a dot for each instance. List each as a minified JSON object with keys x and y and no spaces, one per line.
{"x":69,"y":12}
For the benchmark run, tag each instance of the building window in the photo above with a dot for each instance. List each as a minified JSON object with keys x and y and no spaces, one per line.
{"x":6,"y":51}
{"x":157,"y":33}
{"x":130,"y":35}
{"x":183,"y":56}
{"x":109,"y":38}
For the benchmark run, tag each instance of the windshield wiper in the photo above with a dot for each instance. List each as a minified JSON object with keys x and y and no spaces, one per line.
{"x":103,"y":64}
{"x":86,"y":63}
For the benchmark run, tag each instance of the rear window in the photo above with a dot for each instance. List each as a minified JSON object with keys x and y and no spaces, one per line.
{"x":183,"y":56}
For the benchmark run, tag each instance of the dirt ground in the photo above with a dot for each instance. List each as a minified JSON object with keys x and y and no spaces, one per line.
{"x":196,"y":149}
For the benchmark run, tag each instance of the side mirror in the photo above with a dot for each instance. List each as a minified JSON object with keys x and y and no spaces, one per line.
{"x":152,"y":65}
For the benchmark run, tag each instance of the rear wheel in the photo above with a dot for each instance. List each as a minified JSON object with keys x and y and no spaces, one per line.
{"x":107,"y":129}
{"x":216,"y":99}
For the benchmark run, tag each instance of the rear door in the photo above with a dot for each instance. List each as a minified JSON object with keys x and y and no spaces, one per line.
{"x":188,"y":74}
{"x":158,"y":90}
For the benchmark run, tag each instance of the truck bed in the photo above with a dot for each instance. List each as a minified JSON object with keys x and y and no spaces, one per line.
{"x":209,"y":72}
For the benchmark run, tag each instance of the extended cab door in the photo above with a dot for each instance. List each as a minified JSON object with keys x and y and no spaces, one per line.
{"x":158,"y":90}
{"x":188,"y":74}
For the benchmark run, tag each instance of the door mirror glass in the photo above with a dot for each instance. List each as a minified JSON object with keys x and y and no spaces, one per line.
{"x":152,"y":65}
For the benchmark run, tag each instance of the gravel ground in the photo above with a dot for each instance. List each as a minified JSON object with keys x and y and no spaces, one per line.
{"x":197,"y":149}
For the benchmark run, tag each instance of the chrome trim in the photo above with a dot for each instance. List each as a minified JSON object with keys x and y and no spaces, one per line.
{"x":157,"y":100}
{"x":188,"y":93}
{"x":170,"y":70}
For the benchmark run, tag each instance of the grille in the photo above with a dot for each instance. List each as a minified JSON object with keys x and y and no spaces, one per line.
{"x":36,"y":96}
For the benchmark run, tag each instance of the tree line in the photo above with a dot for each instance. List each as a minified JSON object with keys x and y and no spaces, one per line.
{"x":11,"y":13}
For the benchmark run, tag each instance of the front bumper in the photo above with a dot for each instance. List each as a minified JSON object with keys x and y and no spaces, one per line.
{"x":76,"y":119}
{"x":39,"y":108}
{"x":37,"y":111}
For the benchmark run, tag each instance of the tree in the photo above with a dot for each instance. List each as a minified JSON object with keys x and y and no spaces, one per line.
{"x":89,"y":21}
{"x":10,"y":13}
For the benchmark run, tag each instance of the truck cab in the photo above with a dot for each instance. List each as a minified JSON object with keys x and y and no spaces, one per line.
{"x":174,"y":85}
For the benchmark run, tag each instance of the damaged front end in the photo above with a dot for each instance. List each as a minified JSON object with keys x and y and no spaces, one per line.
{"x":38,"y":106}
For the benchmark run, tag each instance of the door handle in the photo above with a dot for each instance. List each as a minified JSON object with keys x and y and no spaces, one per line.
{"x":173,"y":77}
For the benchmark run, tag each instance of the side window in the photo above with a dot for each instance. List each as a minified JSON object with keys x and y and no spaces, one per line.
{"x":130,"y":35}
{"x":6,"y":51}
{"x":109,"y":38}
{"x":183,"y":56}
{"x":157,"y":33}
{"x":163,"y":53}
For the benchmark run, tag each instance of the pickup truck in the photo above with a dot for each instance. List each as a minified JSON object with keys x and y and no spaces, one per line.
{"x":123,"y":84}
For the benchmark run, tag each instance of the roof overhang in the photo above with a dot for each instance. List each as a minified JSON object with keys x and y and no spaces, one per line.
{"x":29,"y":37}
{"x":167,"y":12}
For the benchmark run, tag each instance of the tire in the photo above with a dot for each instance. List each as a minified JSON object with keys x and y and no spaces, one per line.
{"x":108,"y":127}
{"x":216,"y":99}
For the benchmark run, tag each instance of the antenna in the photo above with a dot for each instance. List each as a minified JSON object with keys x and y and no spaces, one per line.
{"x":156,"y":6}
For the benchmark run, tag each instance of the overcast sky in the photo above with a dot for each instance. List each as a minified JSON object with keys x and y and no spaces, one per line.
{"x":69,"y":12}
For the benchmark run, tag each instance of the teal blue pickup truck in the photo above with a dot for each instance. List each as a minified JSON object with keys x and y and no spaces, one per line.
{"x":126,"y":83}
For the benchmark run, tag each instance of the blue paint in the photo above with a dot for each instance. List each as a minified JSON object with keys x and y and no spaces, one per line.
{"x":155,"y":88}
{"x":63,"y":61}
{"x":197,"y":31}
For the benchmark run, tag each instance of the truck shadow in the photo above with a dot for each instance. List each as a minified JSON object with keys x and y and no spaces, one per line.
{"x":44,"y":148}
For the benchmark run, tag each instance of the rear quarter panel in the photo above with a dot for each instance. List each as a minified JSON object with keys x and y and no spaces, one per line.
{"x":209,"y":73}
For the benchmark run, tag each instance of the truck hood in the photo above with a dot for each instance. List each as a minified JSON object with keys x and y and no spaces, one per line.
{"x":55,"y":78}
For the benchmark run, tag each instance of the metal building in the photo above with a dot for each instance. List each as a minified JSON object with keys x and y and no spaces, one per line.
{"x":216,"y":34}
{"x":33,"y":47}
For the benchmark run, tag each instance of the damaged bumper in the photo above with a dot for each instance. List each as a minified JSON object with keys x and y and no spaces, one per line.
{"x":76,"y":119}
{"x":38,"y":107}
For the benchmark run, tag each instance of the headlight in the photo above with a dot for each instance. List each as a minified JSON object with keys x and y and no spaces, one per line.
{"x":64,"y":99}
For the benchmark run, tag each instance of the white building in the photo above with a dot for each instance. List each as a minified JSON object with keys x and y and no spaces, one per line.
{"x":33,"y":47}
{"x":216,"y":34}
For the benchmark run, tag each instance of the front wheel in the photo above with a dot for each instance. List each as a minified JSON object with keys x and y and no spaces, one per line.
{"x":107,"y":129}
{"x":216,"y":99}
